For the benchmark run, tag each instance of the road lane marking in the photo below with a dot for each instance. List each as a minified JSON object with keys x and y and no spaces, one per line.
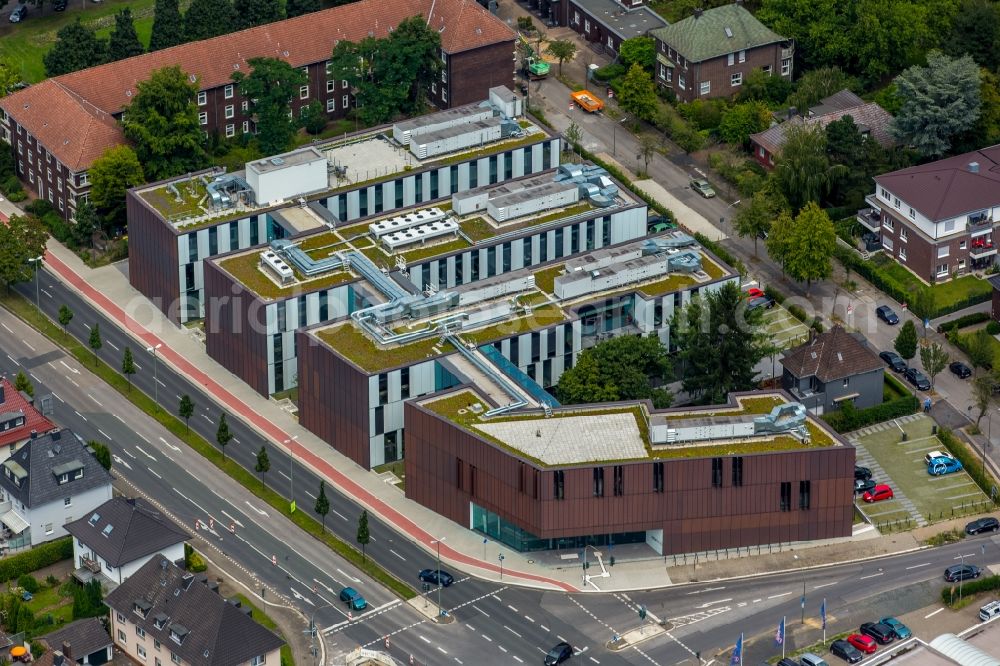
{"x":486,"y":637}
{"x":826,"y":585}
{"x":963,"y":556}
{"x":917,"y":566}
{"x":341,"y":515}
{"x":349,"y":576}
{"x":6,"y":327}
{"x":529,"y":619}
{"x":512,"y":608}
{"x":263,"y":513}
{"x":168,"y":444}
{"x":933,"y":613}
{"x":707,"y":589}
{"x":722,"y":601}
{"x":123,"y":421}
{"x":104,"y":434}
{"x":60,"y":399}
{"x":872,"y":575}
{"x":397,"y":554}
{"x":154,"y":473}
{"x":95,"y":400}
{"x":518,"y":659}
{"x":112,"y":345}
{"x":12,"y":359}
{"x":512,"y":631}
{"x":235,"y":520}
{"x":143,"y":452}
{"x":310,"y":494}
{"x":480,"y":610}
{"x":28,"y":345}
{"x":73,"y":370}
{"x":757,"y":601}
{"x":503,"y":648}
{"x":80,"y":415}
{"x":208,"y":418}
{"x":128,"y":453}
{"x":284,"y":475}
{"x":544,"y":627}
{"x":46,"y":293}
{"x":72,"y":382}
{"x":443,"y":651}
{"x":775,"y":596}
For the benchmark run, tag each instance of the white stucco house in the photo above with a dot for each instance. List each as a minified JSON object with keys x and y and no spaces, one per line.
{"x":50,"y":481}
{"x":119,"y":536}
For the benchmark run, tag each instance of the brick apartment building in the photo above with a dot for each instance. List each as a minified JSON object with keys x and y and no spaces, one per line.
{"x":58,"y":127}
{"x":710,"y":53}
{"x":605,"y":24}
{"x":938,"y":219}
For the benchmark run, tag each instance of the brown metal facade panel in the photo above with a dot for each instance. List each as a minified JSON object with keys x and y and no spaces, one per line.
{"x":333,"y":399}
{"x":152,"y":251}
{"x":693,"y":514}
{"x":472,"y":73}
{"x":235,"y":327}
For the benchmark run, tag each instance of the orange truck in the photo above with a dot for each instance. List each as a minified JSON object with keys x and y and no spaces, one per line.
{"x":587,"y":101}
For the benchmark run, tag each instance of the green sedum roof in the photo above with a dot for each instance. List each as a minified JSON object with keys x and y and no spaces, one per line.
{"x":701,"y":38}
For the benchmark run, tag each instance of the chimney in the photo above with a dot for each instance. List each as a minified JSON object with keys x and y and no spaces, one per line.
{"x":67,"y":652}
{"x":58,"y":659}
{"x":34,"y":434}
{"x":697,"y":12}
{"x":973,"y":167}
{"x":791,"y":112}
{"x":56,"y":436}
{"x":3,"y":398}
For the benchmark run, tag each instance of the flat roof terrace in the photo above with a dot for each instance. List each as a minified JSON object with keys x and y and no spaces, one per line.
{"x":614,"y":433}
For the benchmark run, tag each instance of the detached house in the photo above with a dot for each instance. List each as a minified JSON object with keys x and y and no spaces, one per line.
{"x":938,"y":219}
{"x":710,"y":53}
{"x":120,"y":536}
{"x":47,"y":483}
{"x":18,"y":419}
{"x":165,"y":615}
{"x":831,"y":369}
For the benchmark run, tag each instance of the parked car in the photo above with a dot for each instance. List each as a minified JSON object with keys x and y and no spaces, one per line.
{"x":989,"y":611}
{"x":846,"y":651}
{"x":702,"y":187}
{"x":862,"y":486}
{"x":918,"y":379}
{"x":19,"y":14}
{"x":941,"y":466}
{"x":862,"y":472}
{"x":559,"y":654}
{"x":899,"y":630}
{"x":754,"y":292}
{"x":353,"y":599}
{"x":882,"y":633}
{"x":786,"y":661}
{"x":958,"y":572}
{"x":878,"y":493}
{"x":980,"y":525}
{"x":59,"y":5}
{"x":935,"y":454}
{"x":437,"y":577}
{"x":809,"y":659}
{"x":885,"y":313}
{"x":657,"y":224}
{"x":960,"y":369}
{"x":862,"y":643}
{"x":893,"y":360}
{"x":765,"y":302}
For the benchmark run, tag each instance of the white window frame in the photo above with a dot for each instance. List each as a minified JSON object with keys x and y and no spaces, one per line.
{"x":768,"y":70}
{"x":304,"y":92}
{"x":736,"y":80}
{"x":141,"y":651}
{"x":230,"y":111}
{"x":705,"y":87}
{"x":227,"y":92}
{"x":786,"y":66}
{"x":121,"y":637}
{"x":730,"y":59}
{"x":331,"y":85}
{"x":743,"y":55}
{"x":943,"y":251}
{"x":941,"y":270}
{"x":246,"y":126}
{"x":444,"y":94}
{"x":202,"y":98}
{"x":203,"y":118}
{"x":889,"y":223}
{"x":681,"y":82}
{"x":963,"y":245}
{"x":902,"y":254}
{"x":903,"y":235}
{"x":230,"y":130}
{"x":245,"y":106}
{"x":331,"y":105}
{"x":887,"y":243}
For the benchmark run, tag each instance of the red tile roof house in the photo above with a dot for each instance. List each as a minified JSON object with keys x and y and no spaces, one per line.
{"x":938,"y":219}
{"x":58,"y":127}
{"x":872,"y":120}
{"x":19,"y":420}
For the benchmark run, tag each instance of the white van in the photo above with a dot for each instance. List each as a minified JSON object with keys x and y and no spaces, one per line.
{"x":989,"y":611}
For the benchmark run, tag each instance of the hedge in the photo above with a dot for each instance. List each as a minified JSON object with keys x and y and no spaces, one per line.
{"x":847,"y":418}
{"x":972,"y":463}
{"x":40,"y":556}
{"x":970,"y":319}
{"x":969,"y":587}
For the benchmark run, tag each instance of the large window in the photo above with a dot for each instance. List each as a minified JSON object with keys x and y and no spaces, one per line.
{"x":658,"y":477}
{"x":598,"y":482}
{"x":716,"y":472}
{"x":737,"y":471}
{"x":804,"y":488}
{"x":786,"y":495}
{"x":558,"y":487}
{"x":619,"y":480}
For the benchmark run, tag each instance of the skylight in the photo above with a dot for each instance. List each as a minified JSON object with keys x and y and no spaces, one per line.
{"x":107,"y":529}
{"x":729,"y":32}
{"x":94,"y":518}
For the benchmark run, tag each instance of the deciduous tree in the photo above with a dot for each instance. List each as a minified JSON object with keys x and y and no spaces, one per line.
{"x":111,"y":175}
{"x":87,"y":222}
{"x":223,"y":435}
{"x":77,"y":47}
{"x":162,"y":122}
{"x":124,"y":41}
{"x":975,"y":31}
{"x":637,"y":93}
{"x":263,"y":465}
{"x":982,"y":395}
{"x":618,"y":369}
{"x":940,"y":101}
{"x":638,"y":51}
{"x":65,"y":316}
{"x":755,"y":217}
{"x":21,"y":239}
{"x":811,"y":246}
{"x":906,"y":341}
{"x":269,"y":86}
{"x":295,"y":8}
{"x":186,"y":410}
{"x":765,"y":87}
{"x":208,"y":18}
{"x":168,"y":25}
{"x":934,"y":358}
{"x":803,"y":170}
{"x":8,"y":79}
{"x":250,"y":13}
{"x":313,"y":117}
{"x":562,"y":50}
{"x":741,"y":120}
{"x":101,"y":453}
{"x":322,"y":506}
{"x":364,"y":537}
{"x":720,"y":342}
{"x":979,"y":347}
{"x":23,"y":384}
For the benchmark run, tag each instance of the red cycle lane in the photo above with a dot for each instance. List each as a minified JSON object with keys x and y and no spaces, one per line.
{"x":237,"y":406}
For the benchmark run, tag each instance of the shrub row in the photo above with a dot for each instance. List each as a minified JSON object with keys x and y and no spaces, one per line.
{"x":847,"y":418}
{"x":970,"y":319}
{"x":970,"y":461}
{"x":40,"y":556}
{"x":969,"y":587}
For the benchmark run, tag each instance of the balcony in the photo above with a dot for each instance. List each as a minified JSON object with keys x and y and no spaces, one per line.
{"x":870,"y":218}
{"x":982,"y":247}
{"x":980,"y":224}
{"x":91,"y":565}
{"x":873,"y":201}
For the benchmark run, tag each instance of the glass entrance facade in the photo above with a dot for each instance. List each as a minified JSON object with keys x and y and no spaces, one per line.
{"x":490,"y":524}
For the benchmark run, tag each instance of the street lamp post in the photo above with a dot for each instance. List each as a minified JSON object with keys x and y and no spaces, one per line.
{"x":614,"y":135}
{"x":291,"y":473}
{"x":500,"y":557}
{"x":156,"y":391}
{"x":438,"y":542}
{"x":37,"y":261}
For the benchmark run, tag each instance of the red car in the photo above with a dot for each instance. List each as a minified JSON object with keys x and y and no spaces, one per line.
{"x":878,"y":493}
{"x":754,"y":292}
{"x":864,"y":643}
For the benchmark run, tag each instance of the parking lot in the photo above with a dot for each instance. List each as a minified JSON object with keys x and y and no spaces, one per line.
{"x":918,"y":496}
{"x":784,"y":330}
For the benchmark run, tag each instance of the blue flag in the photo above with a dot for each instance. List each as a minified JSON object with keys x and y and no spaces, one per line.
{"x":822,"y":613}
{"x":779,"y":635}
{"x":737,"y":658}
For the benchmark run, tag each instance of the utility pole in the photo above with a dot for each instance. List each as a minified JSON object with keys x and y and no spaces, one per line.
{"x":156,"y":381}
{"x":438,"y":542}
{"x":37,"y":261}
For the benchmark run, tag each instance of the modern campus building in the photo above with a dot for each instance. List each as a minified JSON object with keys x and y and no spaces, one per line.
{"x":58,"y":127}
{"x":938,"y":219}
{"x":711,"y":53}
{"x":175,"y":225}
{"x":756,"y":471}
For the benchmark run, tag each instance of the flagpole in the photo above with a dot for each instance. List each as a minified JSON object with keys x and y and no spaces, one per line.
{"x":824,"y":620}
{"x":783,"y":641}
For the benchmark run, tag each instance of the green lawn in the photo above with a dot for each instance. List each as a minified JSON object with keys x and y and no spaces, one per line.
{"x":784,"y":330}
{"x":945,"y":293}
{"x":22,"y":45}
{"x":935,"y":497}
